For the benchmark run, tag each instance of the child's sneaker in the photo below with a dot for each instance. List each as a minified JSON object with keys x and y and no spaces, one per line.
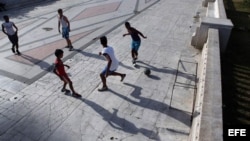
{"x":123,"y":76}
{"x":133,"y":61}
{"x":13,"y":50}
{"x":103,"y":89}
{"x":18,"y":53}
{"x":71,"y":48}
{"x":65,"y":90}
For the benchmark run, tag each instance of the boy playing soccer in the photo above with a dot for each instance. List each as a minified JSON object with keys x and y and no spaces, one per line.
{"x":136,"y":40}
{"x":108,"y":53}
{"x":65,"y":28}
{"x":60,"y":72}
{"x":7,"y":28}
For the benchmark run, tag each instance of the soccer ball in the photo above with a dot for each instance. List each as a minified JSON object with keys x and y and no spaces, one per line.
{"x":147,"y":71}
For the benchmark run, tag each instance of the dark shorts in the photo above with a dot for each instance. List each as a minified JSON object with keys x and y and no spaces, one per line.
{"x":65,"y":32}
{"x":106,"y":69}
{"x":135,"y":45}
{"x":13,"y":39}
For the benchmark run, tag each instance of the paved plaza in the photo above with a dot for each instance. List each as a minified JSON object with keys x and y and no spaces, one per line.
{"x":141,"y":108}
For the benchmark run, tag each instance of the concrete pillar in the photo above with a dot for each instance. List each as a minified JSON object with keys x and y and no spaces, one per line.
{"x":205,"y":2}
{"x":223,"y":25}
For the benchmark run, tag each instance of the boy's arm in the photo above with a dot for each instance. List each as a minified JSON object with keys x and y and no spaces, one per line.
{"x":140,"y":34}
{"x":3,"y":29}
{"x":129,"y":32}
{"x":59,"y":24}
{"x":126,"y":34}
{"x":15,"y":27}
{"x":66,"y":66}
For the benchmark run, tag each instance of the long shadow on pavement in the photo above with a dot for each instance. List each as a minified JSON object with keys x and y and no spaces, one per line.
{"x":42,"y":64}
{"x":165,"y":70}
{"x":148,"y":103}
{"x":118,"y":122}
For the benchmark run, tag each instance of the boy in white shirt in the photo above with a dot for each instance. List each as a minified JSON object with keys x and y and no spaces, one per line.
{"x":7,"y":28}
{"x":108,"y":53}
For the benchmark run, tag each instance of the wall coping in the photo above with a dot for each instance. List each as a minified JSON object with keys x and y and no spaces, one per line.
{"x":207,"y":123}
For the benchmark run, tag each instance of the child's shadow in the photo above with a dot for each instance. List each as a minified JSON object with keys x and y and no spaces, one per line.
{"x":69,"y":93}
{"x":116,"y":122}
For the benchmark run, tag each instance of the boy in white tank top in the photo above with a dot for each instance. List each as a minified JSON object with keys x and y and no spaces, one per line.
{"x":112,"y":65}
{"x":65,"y":28}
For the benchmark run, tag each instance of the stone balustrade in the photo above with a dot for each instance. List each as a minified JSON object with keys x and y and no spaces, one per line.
{"x":211,"y":38}
{"x":215,"y":18}
{"x":207,"y":124}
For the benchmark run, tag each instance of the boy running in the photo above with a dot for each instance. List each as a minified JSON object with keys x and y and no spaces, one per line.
{"x":136,"y":40}
{"x":60,"y":72}
{"x":112,"y":65}
{"x":65,"y":28}
{"x":7,"y":28}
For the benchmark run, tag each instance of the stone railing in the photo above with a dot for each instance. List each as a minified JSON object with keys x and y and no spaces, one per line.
{"x":207,"y":122}
{"x":215,"y":18}
{"x":211,"y":38}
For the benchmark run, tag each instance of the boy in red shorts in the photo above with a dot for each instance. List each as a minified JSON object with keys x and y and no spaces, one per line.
{"x":60,"y":72}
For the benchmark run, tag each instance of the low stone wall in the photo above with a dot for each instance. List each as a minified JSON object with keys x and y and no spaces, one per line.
{"x":215,"y":18}
{"x":211,"y":127}
{"x":211,"y":38}
{"x":207,"y":122}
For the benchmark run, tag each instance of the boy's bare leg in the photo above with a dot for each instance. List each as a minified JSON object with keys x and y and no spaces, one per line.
{"x":119,"y":74}
{"x":70,"y":84}
{"x":64,"y":83}
{"x":103,"y":78}
{"x":104,"y":85}
{"x":17,"y":46}
{"x":74,"y":93}
{"x":71,"y":87}
{"x":13,"y":48}
{"x":136,"y":54}
{"x":68,"y":42}
{"x":132,"y":54}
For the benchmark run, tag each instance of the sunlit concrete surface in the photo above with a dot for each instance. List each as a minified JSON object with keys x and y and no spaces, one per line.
{"x":141,"y":108}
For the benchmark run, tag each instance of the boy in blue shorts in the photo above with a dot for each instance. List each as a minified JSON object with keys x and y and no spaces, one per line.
{"x":136,"y":40}
{"x":108,"y":53}
{"x":65,"y":28}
